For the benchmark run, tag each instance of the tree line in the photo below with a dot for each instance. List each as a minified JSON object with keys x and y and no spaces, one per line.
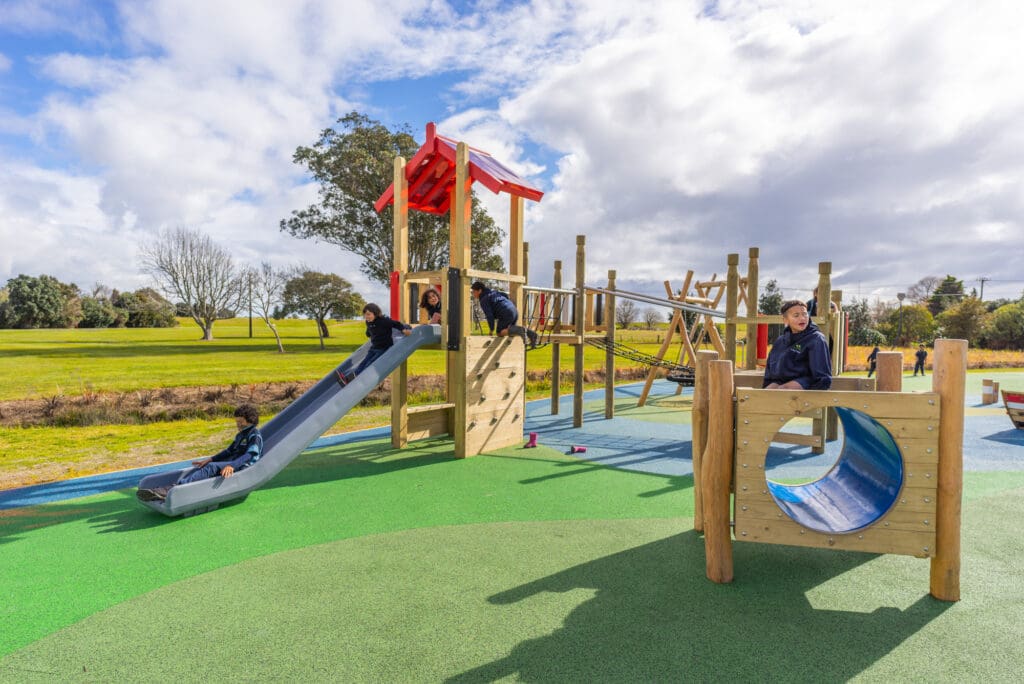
{"x":932,"y":307}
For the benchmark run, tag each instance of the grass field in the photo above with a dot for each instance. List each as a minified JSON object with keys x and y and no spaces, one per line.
{"x":37,"y":364}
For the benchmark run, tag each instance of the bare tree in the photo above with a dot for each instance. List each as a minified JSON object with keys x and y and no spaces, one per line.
{"x":626,"y":313}
{"x":921,"y":291}
{"x":192,"y":269}
{"x":267,"y":285}
{"x":651,"y":317}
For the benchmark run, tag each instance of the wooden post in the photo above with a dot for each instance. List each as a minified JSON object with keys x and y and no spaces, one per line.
{"x":581,"y":274}
{"x":949,"y":376}
{"x":699,"y":423}
{"x":516,"y":252}
{"x":609,"y":354}
{"x":732,"y":294}
{"x":556,"y":348}
{"x":989,"y":393}
{"x":461,"y":208}
{"x":752,"y":276}
{"x":838,"y":335}
{"x":716,"y":473}
{"x":400,"y":377}
{"x":890,"y":371}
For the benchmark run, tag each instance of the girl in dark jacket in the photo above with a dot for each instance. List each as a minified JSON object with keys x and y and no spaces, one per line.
{"x":431,"y":303}
{"x":378,"y":329}
{"x":799,"y":358}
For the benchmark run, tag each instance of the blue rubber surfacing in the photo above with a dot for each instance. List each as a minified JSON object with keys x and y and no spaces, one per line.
{"x":628,"y":441}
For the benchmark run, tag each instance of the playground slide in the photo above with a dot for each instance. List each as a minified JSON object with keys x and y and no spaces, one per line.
{"x":288,"y":433}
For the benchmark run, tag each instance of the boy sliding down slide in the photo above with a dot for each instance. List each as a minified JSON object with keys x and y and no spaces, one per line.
{"x":244,"y":450}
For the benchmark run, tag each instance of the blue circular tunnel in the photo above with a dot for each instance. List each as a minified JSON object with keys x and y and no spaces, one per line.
{"x":861,"y":486}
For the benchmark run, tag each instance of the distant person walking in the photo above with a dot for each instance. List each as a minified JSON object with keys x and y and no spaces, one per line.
{"x":872,"y":361}
{"x":921,"y":355}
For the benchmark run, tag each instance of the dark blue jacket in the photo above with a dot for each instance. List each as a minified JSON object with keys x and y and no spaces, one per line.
{"x":497,"y":305}
{"x":379,"y":331}
{"x":244,"y":450}
{"x":431,"y":310}
{"x":802,"y":357}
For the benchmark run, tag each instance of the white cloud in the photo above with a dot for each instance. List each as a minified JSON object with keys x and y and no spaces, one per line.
{"x":881,"y":136}
{"x":5,"y":62}
{"x":73,"y":17}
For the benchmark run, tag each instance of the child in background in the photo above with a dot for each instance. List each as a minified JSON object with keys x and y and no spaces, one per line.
{"x":378,"y":329}
{"x":920,"y":356}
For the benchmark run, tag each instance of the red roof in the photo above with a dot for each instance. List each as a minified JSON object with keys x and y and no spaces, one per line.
{"x":431,"y":176}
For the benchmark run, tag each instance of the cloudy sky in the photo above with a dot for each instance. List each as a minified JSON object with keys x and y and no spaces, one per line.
{"x":883,"y":136}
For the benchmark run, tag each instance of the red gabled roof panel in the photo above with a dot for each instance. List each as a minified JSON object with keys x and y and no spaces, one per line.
{"x":431,"y":176}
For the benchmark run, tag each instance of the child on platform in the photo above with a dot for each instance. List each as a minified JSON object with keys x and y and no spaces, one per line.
{"x":799,"y":358}
{"x":431,"y":303}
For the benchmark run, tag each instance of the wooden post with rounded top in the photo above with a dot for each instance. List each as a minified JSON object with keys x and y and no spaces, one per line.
{"x":400,"y":377}
{"x":581,"y":274}
{"x":716,"y":472}
{"x":700,"y":431}
{"x":609,"y":353}
{"x":752,"y":276}
{"x":732,"y":298}
{"x":949,"y":376}
{"x":889,"y":366}
{"x":555,"y":311}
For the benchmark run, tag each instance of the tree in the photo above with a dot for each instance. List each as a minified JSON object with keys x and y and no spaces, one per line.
{"x":770,"y":300}
{"x":353,"y":166}
{"x":918,"y":325}
{"x":191,"y":268}
{"x":922,"y":290}
{"x":317,"y":295}
{"x":36,"y":302}
{"x":651,"y":316}
{"x":626,"y":312}
{"x":965,"y":320}
{"x":862,"y":330}
{"x":97,"y":312}
{"x":6,"y":316}
{"x":1006,"y":327}
{"x":144,"y":308}
{"x":770,"y":304}
{"x":946,"y":294}
{"x":267,"y":285}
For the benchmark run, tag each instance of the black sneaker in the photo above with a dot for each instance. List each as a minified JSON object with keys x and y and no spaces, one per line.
{"x":533,"y":338}
{"x":155,"y":494}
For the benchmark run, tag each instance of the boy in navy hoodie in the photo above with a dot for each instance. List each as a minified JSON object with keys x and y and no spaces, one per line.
{"x":378,"y":329}
{"x":501,"y":313}
{"x":799,"y":358}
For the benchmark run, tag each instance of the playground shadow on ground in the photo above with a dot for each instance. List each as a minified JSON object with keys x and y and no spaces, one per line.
{"x":655,"y":617}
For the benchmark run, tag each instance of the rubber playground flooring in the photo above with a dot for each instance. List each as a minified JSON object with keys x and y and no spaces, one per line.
{"x":362,"y":563}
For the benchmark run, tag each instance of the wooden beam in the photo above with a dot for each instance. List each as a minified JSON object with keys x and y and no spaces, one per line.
{"x":752,"y":276}
{"x":716,"y":473}
{"x":400,"y":376}
{"x":556,"y":350}
{"x":609,"y":353}
{"x":581,"y":274}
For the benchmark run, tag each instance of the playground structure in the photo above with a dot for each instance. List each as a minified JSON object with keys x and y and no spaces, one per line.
{"x":895,"y":487}
{"x":485,"y":376}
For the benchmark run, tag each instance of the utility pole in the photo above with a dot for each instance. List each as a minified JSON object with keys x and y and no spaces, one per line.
{"x":983,"y":280}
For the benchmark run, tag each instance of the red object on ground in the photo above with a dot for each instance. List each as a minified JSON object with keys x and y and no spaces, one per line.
{"x":395,"y":314}
{"x":533,"y":441}
{"x":575,"y":449}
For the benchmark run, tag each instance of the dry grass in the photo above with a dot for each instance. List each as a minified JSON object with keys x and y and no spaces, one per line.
{"x":856,"y":358}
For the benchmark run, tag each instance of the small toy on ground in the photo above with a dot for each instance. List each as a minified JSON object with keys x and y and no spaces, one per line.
{"x":533,"y":441}
{"x":577,"y":449}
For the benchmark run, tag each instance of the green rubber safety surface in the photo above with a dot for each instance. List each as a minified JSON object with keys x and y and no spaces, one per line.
{"x":360,"y":563}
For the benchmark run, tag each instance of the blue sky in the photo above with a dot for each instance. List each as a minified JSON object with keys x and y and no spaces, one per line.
{"x":881,"y":136}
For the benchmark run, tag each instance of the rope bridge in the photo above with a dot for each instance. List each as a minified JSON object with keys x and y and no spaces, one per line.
{"x":676,"y":373}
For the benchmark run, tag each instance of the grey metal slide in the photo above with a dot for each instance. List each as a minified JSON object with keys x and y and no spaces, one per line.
{"x":288,"y":433}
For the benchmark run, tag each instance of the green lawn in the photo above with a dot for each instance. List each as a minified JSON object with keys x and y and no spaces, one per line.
{"x":43,"y":363}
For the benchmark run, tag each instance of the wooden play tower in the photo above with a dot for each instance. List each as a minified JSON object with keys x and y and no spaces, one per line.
{"x":485,"y":376}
